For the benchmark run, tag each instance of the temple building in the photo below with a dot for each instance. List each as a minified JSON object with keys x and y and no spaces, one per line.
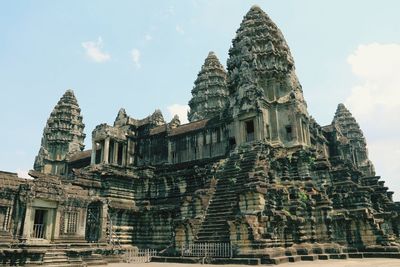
{"x":251,"y":169}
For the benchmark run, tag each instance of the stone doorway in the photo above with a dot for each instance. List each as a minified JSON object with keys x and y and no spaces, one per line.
{"x":93,"y":223}
{"x":39,"y":224}
{"x":249,"y":125}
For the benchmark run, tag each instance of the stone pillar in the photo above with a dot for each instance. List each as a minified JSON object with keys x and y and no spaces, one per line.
{"x":26,"y":234}
{"x":275,"y":135}
{"x":57,"y":223}
{"x":128,"y":154}
{"x":302,"y":137}
{"x":103,"y":223}
{"x":93,"y":157}
{"x":106,"y":150}
{"x":258,"y":128}
{"x":124,"y":155}
{"x":50,"y":223}
{"x":82,"y":222}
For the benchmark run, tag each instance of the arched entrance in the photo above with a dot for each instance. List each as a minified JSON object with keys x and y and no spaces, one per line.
{"x":93,"y":222}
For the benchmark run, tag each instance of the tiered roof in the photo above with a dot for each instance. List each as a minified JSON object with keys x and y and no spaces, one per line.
{"x":260,"y":60}
{"x":348,"y":125}
{"x":63,"y":135}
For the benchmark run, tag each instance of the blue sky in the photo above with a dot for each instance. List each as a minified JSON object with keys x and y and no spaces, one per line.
{"x":143,"y":55}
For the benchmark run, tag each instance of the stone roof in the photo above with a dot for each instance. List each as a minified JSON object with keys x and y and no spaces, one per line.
{"x":123,"y":119}
{"x":189,"y":127}
{"x":80,"y":155}
{"x":10,"y":180}
{"x":159,"y":129}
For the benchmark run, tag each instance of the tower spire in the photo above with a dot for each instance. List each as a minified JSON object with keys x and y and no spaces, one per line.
{"x":349,"y":128}
{"x":262,"y":80}
{"x":62,"y":136}
{"x":209,"y":93}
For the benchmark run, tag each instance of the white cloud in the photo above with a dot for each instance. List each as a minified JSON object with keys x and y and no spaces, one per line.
{"x":23,"y":174}
{"x":148,"y":37}
{"x":179,"y":29}
{"x":180,"y":110}
{"x":135,"y":55}
{"x":378,"y":66}
{"x":93,"y":51}
{"x":375,"y":103}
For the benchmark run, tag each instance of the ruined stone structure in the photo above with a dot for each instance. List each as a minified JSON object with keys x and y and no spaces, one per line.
{"x":252,"y":169}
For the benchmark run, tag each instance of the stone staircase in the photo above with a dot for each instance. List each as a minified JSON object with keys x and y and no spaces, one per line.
{"x":55,"y":257}
{"x":224,"y":203}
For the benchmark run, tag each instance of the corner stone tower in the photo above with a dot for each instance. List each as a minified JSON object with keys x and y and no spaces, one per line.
{"x":62,"y":137}
{"x":266,"y":99}
{"x":355,"y":147}
{"x":210,"y":90}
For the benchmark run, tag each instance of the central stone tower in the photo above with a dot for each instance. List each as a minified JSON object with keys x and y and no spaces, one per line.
{"x":266,"y":99}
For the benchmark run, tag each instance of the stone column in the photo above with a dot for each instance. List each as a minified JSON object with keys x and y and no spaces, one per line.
{"x":82,"y":222}
{"x":275,"y":135}
{"x":26,"y":234}
{"x":302,"y":137}
{"x":124,"y":155}
{"x":258,"y":127}
{"x":49,"y":224}
{"x":103,"y":223}
{"x":57,"y":222}
{"x":106,"y":150}
{"x":93,"y":157}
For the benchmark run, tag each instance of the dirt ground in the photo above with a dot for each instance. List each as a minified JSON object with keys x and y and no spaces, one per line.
{"x":325,"y":263}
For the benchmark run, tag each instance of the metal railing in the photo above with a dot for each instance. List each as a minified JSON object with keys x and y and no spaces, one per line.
{"x":212,"y":250}
{"x":38,"y":231}
{"x":139,"y":255}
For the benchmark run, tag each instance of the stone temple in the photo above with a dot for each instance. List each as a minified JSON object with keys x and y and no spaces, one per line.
{"x":251,"y":169}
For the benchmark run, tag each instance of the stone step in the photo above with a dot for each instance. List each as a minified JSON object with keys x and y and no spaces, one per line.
{"x":213,"y":230}
{"x":217,"y":211}
{"x":294,"y":258}
{"x":55,"y":259}
{"x":309,"y":257}
{"x":215,"y":221}
{"x":222,"y":204}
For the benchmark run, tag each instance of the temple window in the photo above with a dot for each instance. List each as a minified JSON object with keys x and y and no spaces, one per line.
{"x":249,"y":130}
{"x":98,"y":153}
{"x":111,"y":152}
{"x":70,"y":222}
{"x":120,"y":154}
{"x":289,"y":133}
{"x":4,"y":218}
{"x":214,"y":137}
{"x":267,"y":130}
{"x":39,"y":224}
